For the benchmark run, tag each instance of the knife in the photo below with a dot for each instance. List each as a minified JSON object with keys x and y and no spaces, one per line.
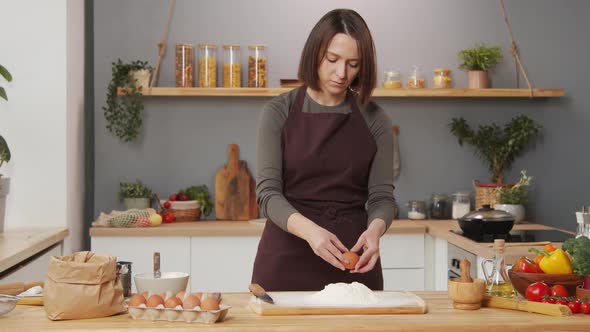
{"x":260,"y":293}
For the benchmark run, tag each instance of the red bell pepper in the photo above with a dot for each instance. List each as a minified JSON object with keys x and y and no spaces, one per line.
{"x":526,"y":265}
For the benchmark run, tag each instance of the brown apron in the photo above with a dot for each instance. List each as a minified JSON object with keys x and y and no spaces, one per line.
{"x":326,"y":163}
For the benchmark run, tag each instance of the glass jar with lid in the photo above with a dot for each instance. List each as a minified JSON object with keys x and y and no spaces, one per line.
{"x":232,"y":74}
{"x":416,"y":79}
{"x":416,"y":210}
{"x":392,"y":79}
{"x":207,"y":65}
{"x":184,"y":66}
{"x":461,"y":204}
{"x":442,"y":78}
{"x":439,"y":206}
{"x":256,"y":66}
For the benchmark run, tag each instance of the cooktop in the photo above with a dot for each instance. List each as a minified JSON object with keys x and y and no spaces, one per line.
{"x":537,"y":235}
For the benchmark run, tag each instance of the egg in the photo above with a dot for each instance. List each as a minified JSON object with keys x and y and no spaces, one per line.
{"x":199,"y":295}
{"x":172,"y":302}
{"x":145,"y":294}
{"x":210,"y":303}
{"x":136,"y":300}
{"x":154,"y":301}
{"x":352,"y":258}
{"x":191,"y":301}
{"x":180,"y":295}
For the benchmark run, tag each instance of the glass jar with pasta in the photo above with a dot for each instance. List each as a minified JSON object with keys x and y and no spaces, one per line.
{"x":184,"y":66}
{"x":416,"y":79}
{"x":232,"y":75}
{"x":256,"y":66}
{"x":207,"y":65}
{"x":442,"y":78}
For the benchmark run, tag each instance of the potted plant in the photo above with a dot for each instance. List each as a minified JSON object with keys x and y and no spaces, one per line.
{"x":478,"y":61}
{"x":497,"y":147}
{"x":4,"y":155}
{"x":135,"y":195}
{"x":124,"y":114}
{"x":513,"y":199}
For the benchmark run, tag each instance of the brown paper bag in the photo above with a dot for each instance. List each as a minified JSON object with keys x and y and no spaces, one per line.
{"x":83,"y":285}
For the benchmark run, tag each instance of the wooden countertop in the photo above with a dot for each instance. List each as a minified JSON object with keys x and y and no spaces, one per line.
{"x":440,"y":317}
{"x":19,"y":244}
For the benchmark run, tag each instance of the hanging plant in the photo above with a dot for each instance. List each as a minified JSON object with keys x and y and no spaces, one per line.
{"x":124,"y":114}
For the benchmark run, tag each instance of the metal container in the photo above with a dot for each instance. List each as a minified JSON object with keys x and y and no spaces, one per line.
{"x":124,"y":273}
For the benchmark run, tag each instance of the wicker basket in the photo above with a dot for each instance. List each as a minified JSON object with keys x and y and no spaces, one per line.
{"x":485,"y":193}
{"x":185,"y":210}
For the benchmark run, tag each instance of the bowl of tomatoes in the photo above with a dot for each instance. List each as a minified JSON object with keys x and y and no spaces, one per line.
{"x":522,"y":280}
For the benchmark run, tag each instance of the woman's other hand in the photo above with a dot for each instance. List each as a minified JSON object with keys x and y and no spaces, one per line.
{"x":369,"y":242}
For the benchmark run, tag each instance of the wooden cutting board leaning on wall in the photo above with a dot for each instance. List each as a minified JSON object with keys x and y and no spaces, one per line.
{"x":235,"y":189}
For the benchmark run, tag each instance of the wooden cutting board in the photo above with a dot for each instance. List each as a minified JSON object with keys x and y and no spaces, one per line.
{"x":235,"y":189}
{"x":297,"y":303}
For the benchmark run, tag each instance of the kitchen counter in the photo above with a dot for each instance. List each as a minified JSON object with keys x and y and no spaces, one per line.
{"x":440,"y":316}
{"x":18,"y":244}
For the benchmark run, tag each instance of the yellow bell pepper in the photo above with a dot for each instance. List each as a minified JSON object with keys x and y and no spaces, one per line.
{"x":556,"y":262}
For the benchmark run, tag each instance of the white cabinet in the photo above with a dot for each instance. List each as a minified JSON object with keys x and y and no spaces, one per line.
{"x":402,"y":260}
{"x":175,"y":253}
{"x":222,"y":264}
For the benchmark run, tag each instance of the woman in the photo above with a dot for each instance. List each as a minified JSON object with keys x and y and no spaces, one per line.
{"x":324,"y":151}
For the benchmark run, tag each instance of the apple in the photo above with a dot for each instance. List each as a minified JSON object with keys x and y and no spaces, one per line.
{"x":155,"y":219}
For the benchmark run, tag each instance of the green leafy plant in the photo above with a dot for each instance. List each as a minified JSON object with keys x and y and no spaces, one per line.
{"x":134,"y":190}
{"x":4,"y":150}
{"x":497,"y":147}
{"x":480,"y":57}
{"x":124,"y":114}
{"x":516,"y":194}
{"x":201,"y":195}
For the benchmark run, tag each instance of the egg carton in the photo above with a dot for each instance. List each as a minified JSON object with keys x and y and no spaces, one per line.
{"x":179,"y":315}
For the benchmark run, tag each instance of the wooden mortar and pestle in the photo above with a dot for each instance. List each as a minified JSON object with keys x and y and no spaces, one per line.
{"x":466,"y":293}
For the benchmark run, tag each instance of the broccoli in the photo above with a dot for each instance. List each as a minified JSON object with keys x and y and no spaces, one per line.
{"x":579,"y":249}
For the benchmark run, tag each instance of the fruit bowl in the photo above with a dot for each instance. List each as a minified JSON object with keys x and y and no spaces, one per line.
{"x":184,"y":210}
{"x":521,"y":280}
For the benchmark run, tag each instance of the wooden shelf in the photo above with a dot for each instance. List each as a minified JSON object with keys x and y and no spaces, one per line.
{"x":412,"y":93}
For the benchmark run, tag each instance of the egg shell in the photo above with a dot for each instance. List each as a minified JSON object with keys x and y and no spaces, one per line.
{"x":154,"y":300}
{"x":172,"y":302}
{"x":136,"y":300}
{"x":190,"y":302}
{"x":210,"y":303}
{"x":180,"y":295}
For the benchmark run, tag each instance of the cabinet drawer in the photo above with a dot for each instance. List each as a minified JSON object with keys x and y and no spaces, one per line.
{"x":402,"y":251}
{"x":222,"y":264}
{"x":403,"y":279}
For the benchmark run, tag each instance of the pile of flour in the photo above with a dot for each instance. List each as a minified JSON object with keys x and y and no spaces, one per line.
{"x":340,"y":294}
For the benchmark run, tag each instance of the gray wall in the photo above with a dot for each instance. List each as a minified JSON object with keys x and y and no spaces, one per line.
{"x":185,"y":140}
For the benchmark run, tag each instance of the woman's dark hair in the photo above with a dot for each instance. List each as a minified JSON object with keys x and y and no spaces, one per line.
{"x":352,"y":24}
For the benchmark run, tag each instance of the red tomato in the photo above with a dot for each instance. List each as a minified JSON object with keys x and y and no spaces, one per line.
{"x":548,"y":300}
{"x":173,"y":197}
{"x":536,"y":291}
{"x":559,"y":290}
{"x":560,"y":301}
{"x":172,"y":216}
{"x":167,"y":205}
{"x":168,"y":218}
{"x":182,"y":197}
{"x":575,"y":307}
{"x":585,"y":308}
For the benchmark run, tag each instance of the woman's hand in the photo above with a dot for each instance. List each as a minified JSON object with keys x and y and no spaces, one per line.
{"x":369,"y":242}
{"x":322,"y":242}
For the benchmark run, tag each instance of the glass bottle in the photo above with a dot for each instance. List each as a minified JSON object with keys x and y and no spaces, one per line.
{"x":392,"y":79}
{"x":442,"y":79}
{"x":439,"y":206}
{"x":207,"y":65}
{"x":497,"y":281}
{"x":461,"y":204}
{"x":232,"y":74}
{"x":184,"y":66}
{"x":256,"y":67}
{"x":416,"y":210}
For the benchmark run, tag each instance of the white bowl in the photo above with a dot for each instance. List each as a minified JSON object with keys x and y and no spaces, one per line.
{"x":169,"y":281}
{"x":7,"y":303}
{"x":182,"y":205}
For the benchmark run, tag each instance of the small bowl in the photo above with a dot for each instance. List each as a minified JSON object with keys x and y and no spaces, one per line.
{"x":521,"y":280}
{"x":466,"y":295}
{"x":7,"y":303}
{"x":582,"y":293}
{"x":169,"y":281}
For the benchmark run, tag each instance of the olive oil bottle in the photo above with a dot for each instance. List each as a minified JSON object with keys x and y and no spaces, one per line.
{"x":497,"y":282}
